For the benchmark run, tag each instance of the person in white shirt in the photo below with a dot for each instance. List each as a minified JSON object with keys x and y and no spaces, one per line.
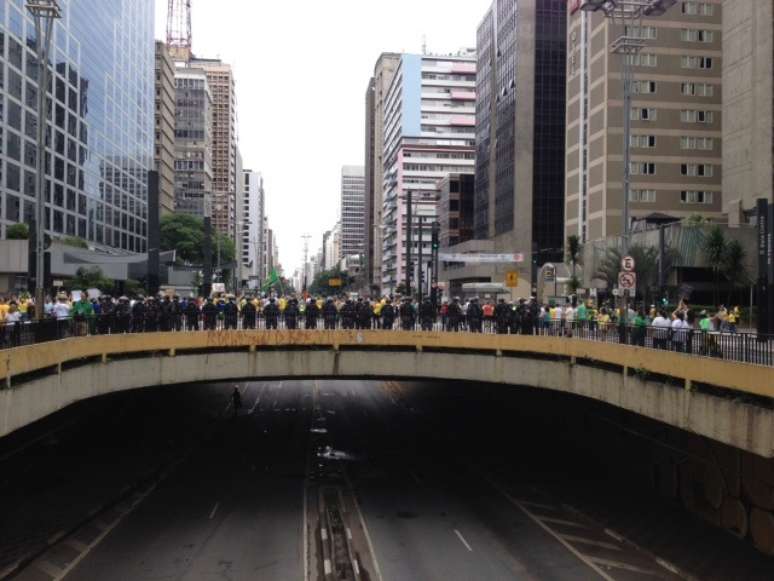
{"x":569,"y":319}
{"x":680,"y":328}
{"x":661,"y":330}
{"x":61,"y":308}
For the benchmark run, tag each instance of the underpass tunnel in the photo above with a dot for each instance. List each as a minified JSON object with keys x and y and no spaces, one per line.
{"x":449,"y":478}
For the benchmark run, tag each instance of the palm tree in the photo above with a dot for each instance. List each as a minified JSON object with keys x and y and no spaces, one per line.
{"x":714,"y":250}
{"x":733,"y":267}
{"x":646,"y":260}
{"x":573,"y":254}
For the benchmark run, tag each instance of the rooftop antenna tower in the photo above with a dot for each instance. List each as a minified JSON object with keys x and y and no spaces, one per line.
{"x":179,"y":29}
{"x":424,"y":44}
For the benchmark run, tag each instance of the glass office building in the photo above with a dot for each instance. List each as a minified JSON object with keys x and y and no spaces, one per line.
{"x":100,"y":126}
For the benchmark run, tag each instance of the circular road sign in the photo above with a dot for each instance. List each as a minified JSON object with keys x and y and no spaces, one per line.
{"x":627,"y":264}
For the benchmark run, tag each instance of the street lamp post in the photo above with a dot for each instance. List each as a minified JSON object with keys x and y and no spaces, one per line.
{"x":628,"y":14}
{"x":44,"y":12}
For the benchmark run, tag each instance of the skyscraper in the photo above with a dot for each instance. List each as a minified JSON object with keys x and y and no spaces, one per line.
{"x":748,"y":104}
{"x":101,"y":144}
{"x":520,"y":122}
{"x":193,"y":157}
{"x":429,"y":132}
{"x":676,"y":145}
{"x":220,"y":79}
{"x":376,"y":93}
{"x":252,"y":218}
{"x":164,"y":155}
{"x":352,"y":210}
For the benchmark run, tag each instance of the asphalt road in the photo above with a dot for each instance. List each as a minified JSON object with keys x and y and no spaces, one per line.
{"x":431,"y":482}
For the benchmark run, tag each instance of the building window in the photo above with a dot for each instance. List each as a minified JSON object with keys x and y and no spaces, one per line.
{"x":642,"y":59}
{"x":643,"y":87}
{"x":696,"y":197}
{"x":642,"y":196}
{"x":695,"y":35}
{"x":643,"y":141}
{"x":644,"y":32}
{"x":697,"y":89}
{"x":643,"y":114}
{"x":697,"y":62}
{"x":697,"y":170}
{"x":693,"y":116}
{"x":700,"y":143}
{"x":693,"y":8}
{"x":637,"y":168}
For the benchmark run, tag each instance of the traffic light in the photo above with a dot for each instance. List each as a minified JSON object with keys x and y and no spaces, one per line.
{"x":436,"y":236}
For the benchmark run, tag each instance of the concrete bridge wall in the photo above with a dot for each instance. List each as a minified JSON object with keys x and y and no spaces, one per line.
{"x":702,"y":396}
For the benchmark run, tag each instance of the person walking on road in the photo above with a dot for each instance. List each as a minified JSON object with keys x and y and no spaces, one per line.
{"x":236,"y":401}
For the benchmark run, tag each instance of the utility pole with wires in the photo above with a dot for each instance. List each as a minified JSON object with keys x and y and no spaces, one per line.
{"x":306,"y":238}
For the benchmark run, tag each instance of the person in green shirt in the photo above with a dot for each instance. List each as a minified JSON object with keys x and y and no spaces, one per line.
{"x":581,"y":315}
{"x":81,"y":312}
{"x":640,"y":324}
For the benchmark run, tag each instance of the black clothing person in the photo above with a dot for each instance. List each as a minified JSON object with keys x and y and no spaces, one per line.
{"x":426,"y":315}
{"x":192,"y":315}
{"x":210,"y":315}
{"x":475,"y":316}
{"x":455,"y":315}
{"x":330,"y":313}
{"x":388,"y":315}
{"x":312,"y":312}
{"x":291,"y":314}
{"x":230,"y":314}
{"x":138,"y":315}
{"x":271,"y":314}
{"x":502,"y":315}
{"x":408,"y":316}
{"x":249,"y":315}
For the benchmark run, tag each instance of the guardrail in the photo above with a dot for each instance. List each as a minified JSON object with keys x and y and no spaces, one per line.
{"x":748,"y":348}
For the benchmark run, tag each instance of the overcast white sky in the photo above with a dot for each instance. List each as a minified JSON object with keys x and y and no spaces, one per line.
{"x":302,"y":69}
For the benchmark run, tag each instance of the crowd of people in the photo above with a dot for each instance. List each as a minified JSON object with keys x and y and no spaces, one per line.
{"x":105,"y":314}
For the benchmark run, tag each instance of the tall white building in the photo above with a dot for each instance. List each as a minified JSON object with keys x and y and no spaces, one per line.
{"x":429,"y":133}
{"x":252,"y":227}
{"x":352,"y":219}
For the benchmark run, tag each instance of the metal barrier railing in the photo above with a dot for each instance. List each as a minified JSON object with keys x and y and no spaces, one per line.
{"x":740,"y":347}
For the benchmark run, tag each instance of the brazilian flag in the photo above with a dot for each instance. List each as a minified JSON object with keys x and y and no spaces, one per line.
{"x":271,"y":281}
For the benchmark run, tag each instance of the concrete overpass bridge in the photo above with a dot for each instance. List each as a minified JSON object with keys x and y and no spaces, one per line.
{"x":728,"y":402}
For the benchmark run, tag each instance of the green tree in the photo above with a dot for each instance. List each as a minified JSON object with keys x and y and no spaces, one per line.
{"x":19,"y":231}
{"x":714,"y":248}
{"x":733,"y":267}
{"x":90,"y":277}
{"x":185,"y":234}
{"x":320,"y":284}
{"x":574,"y":248}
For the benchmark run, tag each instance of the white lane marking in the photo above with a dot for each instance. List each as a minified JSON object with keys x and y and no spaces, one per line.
{"x":624,"y":566}
{"x":589,"y":563}
{"x":255,"y":405}
{"x":593,"y":542}
{"x":535,"y":504}
{"x":356,"y":567}
{"x":214,"y":510}
{"x":560,"y":521}
{"x":327,"y":566}
{"x":462,"y":540}
{"x":324,"y":534}
{"x":615,"y":535}
{"x":76,"y":545}
{"x":349,"y":533}
{"x":366,"y":534}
